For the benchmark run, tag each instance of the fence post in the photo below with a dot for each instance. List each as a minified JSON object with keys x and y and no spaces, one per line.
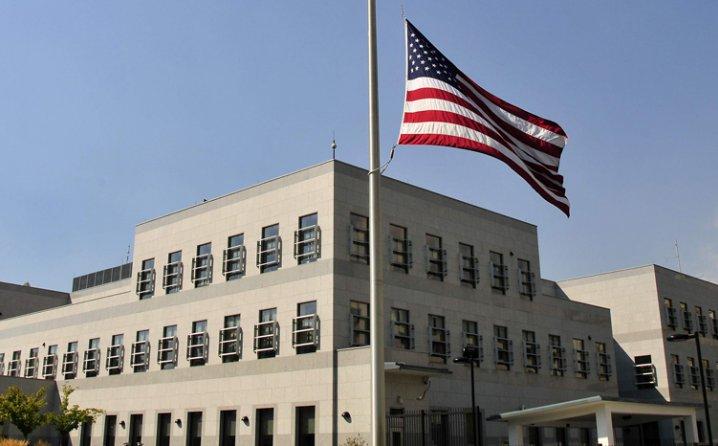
{"x":423,"y":428}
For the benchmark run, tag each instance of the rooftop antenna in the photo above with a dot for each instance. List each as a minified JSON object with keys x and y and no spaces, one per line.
{"x":334,"y":146}
{"x":678,"y":257}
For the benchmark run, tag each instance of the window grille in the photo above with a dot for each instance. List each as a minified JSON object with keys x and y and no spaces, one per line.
{"x":527,"y":279}
{"x":671,"y":315}
{"x":31,"y":367}
{"x":234,"y":261}
{"x":167,"y":348}
{"x":439,"y":338}
{"x":710,"y":381}
{"x":645,"y":372}
{"x":359,"y":238}
{"x":307,"y":244}
{"x":603,"y":365}
{"x":402,"y":330}
{"x":266,"y":337}
{"x":499,"y":277}
{"x":687,"y":318}
{"x":695,"y":378}
{"x":532,"y":356}
{"x":581,"y":363}
{"x":359,"y":323}
{"x":69,"y":365}
{"x":202,"y":270}
{"x":558,"y":360}
{"x":678,"y":375}
{"x":305,"y":331}
{"x":140,"y":355}
{"x":230,"y":342}
{"x":115,"y":357}
{"x":198,"y":346}
{"x":468,"y":266}
{"x":435,"y":255}
{"x":13,"y":368}
{"x":91,"y":361}
{"x":172,"y":277}
{"x":503,"y":351}
{"x":49,"y":366}
{"x":472,"y":337}
{"x":269,"y":252}
{"x":145,"y":283}
{"x":702,"y":325}
{"x":2,"y":364}
{"x":400,"y":249}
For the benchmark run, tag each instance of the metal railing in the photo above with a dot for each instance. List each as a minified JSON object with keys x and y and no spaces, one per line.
{"x":49,"y":366}
{"x":167,"y":350}
{"x":307,"y":243}
{"x":198,"y":346}
{"x":115,"y":357}
{"x":266,"y":337}
{"x":230,"y":342}
{"x":91,"y":361}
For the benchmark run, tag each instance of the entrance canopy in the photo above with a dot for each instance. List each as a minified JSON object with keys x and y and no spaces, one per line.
{"x":607,"y":413}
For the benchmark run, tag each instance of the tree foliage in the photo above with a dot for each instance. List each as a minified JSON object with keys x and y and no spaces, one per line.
{"x":70,"y":417}
{"x":24,"y":410}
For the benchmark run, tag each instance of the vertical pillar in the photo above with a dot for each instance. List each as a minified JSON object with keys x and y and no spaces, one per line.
{"x":516,"y":434}
{"x":604,"y":427}
{"x":692,"y":429}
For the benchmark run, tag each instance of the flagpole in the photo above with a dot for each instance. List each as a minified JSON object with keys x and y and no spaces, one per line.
{"x":376,"y":302}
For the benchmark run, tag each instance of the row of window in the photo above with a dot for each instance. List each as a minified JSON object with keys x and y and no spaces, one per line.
{"x":647,"y":378}
{"x":305,"y":339}
{"x":686,"y":317}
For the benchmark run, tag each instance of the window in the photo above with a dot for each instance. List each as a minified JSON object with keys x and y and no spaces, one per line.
{"x":439,"y":339}
{"x":194,"y":429}
{"x":535,"y":436}
{"x":400,"y":252}
{"x":49,"y":363}
{"x":230,"y":339}
{"x":714,"y":323}
{"x":678,"y":375}
{"x":305,"y":328}
{"x":266,"y":334}
{"x":693,"y":369}
{"x":115,"y":355}
{"x":435,"y":258}
{"x":140,"y":354}
{"x":708,"y":373}
{"x":558,"y":356}
{"x":146,"y":279}
{"x":91,"y":359}
{"x":645,"y":372}
{"x":69,"y":361}
{"x":198,"y":344}
{"x":269,"y":249}
{"x":136,"y":429}
{"x":687,"y":317}
{"x":359,"y":323}
{"x":172,"y":275}
{"x":85,"y":433}
{"x":503,"y":348}
{"x":31,"y":363}
{"x":470,"y":332}
{"x":469,"y":273}
{"x":265,"y":427}
{"x":227,"y":427}
{"x":13,"y":368}
{"x":359,"y":238}
{"x":167,"y":348}
{"x":234,"y":258}
{"x":2,"y":364}
{"x":305,"y":421}
{"x":580,"y":359}
{"x":402,"y":330}
{"x":499,"y":273}
{"x":603,"y":362}
{"x":670,"y":313}
{"x":701,"y":319}
{"x":164,"y":429}
{"x":307,"y":245}
{"x":110,"y":430}
{"x":202,"y":266}
{"x":527,"y":282}
{"x":532,"y":352}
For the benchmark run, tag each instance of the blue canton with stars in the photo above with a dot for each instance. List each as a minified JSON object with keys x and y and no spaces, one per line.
{"x":425,"y":60}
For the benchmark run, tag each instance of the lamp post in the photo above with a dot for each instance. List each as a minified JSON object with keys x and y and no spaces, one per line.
{"x":470,"y":355}
{"x":684,"y":337}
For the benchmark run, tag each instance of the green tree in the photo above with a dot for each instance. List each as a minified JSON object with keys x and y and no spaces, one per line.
{"x":22,"y":409}
{"x":70,"y":417}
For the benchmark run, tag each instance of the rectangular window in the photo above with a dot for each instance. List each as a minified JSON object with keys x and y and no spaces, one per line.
{"x":714,"y":323}
{"x":115,"y":355}
{"x":359,"y":238}
{"x":85,"y":434}
{"x":265,"y":427}
{"x":110,"y":430}
{"x":503,"y":348}
{"x":146,"y":279}
{"x":307,"y":244}
{"x":678,"y":375}
{"x":136,"y":429}
{"x":670,"y":313}
{"x":172,"y":274}
{"x":164,"y":429}
{"x":13,"y":368}
{"x":227,"y":428}
{"x":69,"y":361}
{"x":527,"y":281}
{"x":198,"y":344}
{"x":234,"y":258}
{"x":469,"y":273}
{"x":687,"y":317}
{"x":603,"y":361}
{"x":499,"y":273}
{"x":49,"y":363}
{"x":435,"y":258}
{"x":470,"y":332}
{"x":708,"y":374}
{"x":305,"y":328}
{"x":140,"y":355}
{"x":359,"y":323}
{"x":31,"y":363}
{"x":693,"y":369}
{"x":167,"y":348}
{"x":558,"y":356}
{"x":701,"y":319}
{"x":645,"y":372}
{"x":439,"y":339}
{"x":532,"y":352}
{"x":266,"y":334}
{"x":194,"y":429}
{"x":91,"y":359}
{"x":269,"y":249}
{"x":305,"y":426}
{"x":202,"y":266}
{"x":230,"y":339}
{"x":400,"y":248}
{"x":402,"y":329}
{"x":580,"y":359}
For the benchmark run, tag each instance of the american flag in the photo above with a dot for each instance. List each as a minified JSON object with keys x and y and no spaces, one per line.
{"x":444,"y":107}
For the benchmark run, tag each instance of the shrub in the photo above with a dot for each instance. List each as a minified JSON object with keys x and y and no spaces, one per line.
{"x":354,"y":441}
{"x":10,"y":442}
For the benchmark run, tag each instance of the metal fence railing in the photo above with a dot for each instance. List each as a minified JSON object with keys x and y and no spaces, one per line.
{"x":449,"y":427}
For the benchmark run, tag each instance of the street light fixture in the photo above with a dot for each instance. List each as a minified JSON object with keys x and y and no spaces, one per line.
{"x":470,"y":355}
{"x":684,"y":337}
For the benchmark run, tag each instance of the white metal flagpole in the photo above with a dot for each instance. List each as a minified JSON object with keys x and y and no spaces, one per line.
{"x":376,"y":303}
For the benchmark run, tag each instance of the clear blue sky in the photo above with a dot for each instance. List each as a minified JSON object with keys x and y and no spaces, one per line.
{"x":115,"y":112}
